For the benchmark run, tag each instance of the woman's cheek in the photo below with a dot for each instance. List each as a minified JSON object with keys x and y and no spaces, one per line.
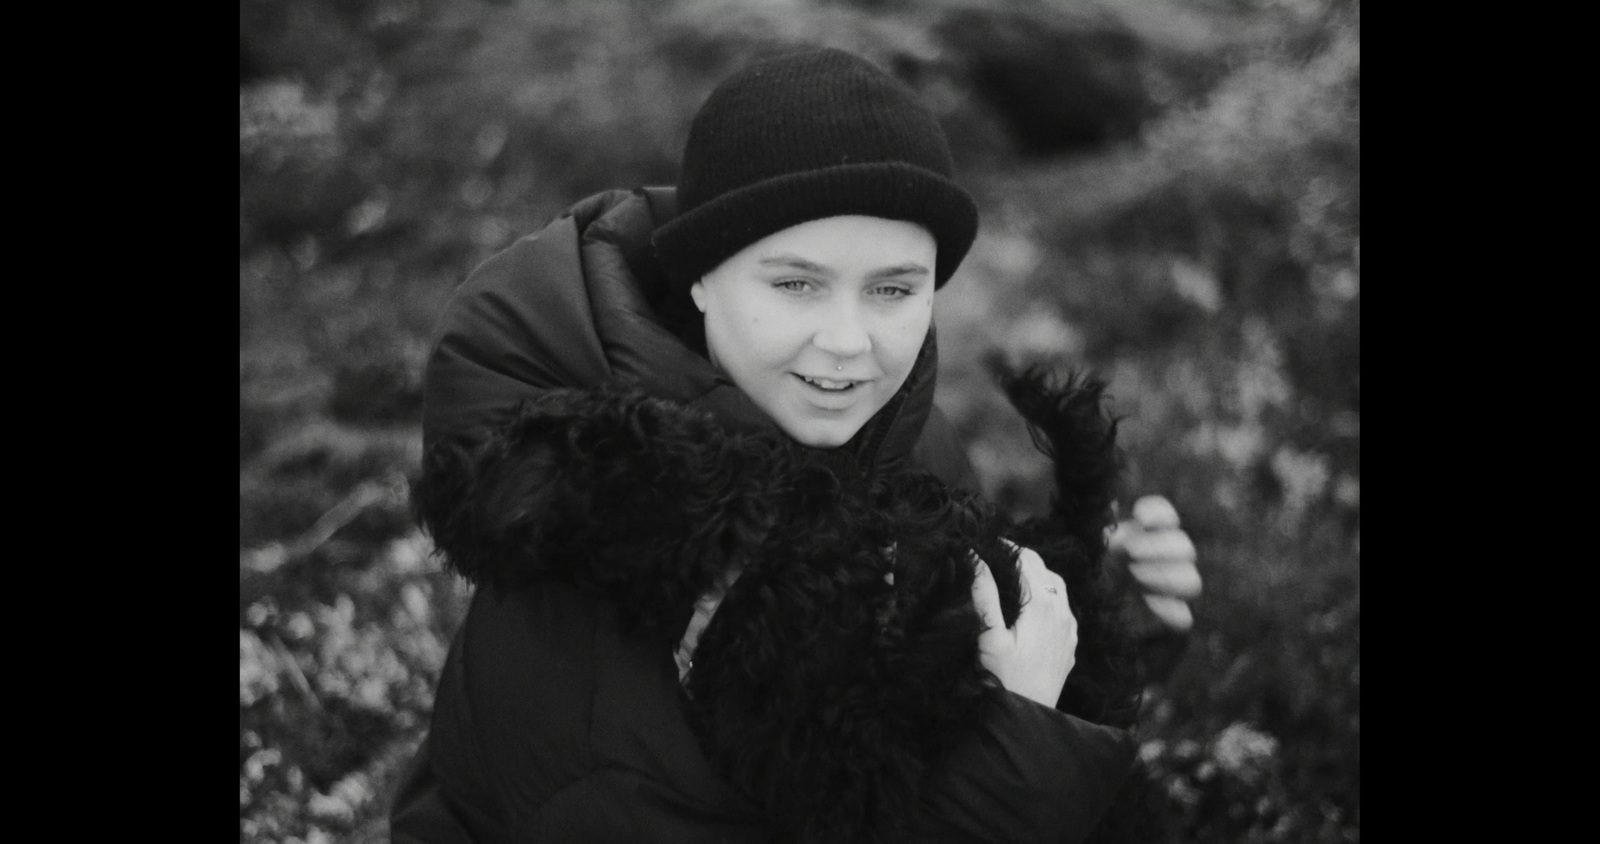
{"x":910,"y":331}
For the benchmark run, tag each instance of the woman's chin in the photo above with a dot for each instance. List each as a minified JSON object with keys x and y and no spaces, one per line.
{"x":820,"y":434}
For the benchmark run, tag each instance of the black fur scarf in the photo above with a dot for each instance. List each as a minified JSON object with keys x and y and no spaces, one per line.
{"x":842,"y":665}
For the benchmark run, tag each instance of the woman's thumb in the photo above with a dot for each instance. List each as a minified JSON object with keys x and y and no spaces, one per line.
{"x":986,"y":597}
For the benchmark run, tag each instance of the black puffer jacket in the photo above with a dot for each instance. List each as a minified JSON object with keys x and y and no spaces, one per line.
{"x":591,"y":516}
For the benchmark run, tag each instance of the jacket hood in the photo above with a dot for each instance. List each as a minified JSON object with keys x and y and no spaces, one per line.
{"x":583,"y":303}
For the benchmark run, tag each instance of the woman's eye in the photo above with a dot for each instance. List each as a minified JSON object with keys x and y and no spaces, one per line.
{"x":892,"y":291}
{"x":796,"y":285}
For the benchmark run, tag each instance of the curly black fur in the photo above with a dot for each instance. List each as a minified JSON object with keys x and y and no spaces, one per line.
{"x":842,"y":665}
{"x":1070,"y":426}
{"x":827,"y":689}
{"x":630,"y":498}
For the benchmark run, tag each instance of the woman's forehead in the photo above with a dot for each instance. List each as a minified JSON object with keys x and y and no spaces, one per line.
{"x":790,"y":261}
{"x":873,"y":245}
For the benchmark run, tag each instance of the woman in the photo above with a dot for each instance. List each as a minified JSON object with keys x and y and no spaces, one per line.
{"x":772,"y":319}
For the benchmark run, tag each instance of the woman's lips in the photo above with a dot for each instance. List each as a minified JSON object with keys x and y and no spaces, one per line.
{"x":830,"y":385}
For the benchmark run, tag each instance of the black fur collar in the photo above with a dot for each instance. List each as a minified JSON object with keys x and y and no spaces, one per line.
{"x":842,"y":665}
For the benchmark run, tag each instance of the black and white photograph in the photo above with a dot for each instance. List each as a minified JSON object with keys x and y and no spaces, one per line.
{"x":799,"y":421}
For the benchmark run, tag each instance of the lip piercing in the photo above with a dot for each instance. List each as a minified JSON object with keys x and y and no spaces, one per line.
{"x":839,"y":368}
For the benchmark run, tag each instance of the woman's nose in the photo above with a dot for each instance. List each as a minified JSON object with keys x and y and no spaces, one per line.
{"x":844,"y":332}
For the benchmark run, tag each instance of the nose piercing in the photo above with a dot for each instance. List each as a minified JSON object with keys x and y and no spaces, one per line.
{"x":839,"y":368}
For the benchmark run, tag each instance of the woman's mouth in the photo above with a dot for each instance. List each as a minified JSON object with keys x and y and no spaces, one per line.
{"x":828,"y":384}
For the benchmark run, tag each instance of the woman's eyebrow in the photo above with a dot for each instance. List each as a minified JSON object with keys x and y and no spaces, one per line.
{"x":795,"y":262}
{"x":900,"y":270}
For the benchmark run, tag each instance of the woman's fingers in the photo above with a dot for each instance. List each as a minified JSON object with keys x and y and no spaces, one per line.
{"x":1162,"y":561}
{"x":1159,"y":555}
{"x":1170,"y":578}
{"x":1035,"y":655}
{"x":1173,"y":612}
{"x":1154,"y":512}
{"x":986,"y":596}
{"x":1161,"y":558}
{"x":996,"y":641}
{"x":1039,"y":582}
{"x":1164,"y":544}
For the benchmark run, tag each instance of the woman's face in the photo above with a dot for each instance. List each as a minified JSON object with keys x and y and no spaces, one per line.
{"x":820,"y":323}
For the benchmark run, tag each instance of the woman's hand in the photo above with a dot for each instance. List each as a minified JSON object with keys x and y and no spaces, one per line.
{"x":1033,"y":657}
{"x":1161,"y":559}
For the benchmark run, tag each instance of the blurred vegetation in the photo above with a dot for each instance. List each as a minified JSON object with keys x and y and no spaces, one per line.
{"x":1171,"y":198}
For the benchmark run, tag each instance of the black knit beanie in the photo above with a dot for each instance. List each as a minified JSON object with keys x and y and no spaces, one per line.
{"x":802,"y":137}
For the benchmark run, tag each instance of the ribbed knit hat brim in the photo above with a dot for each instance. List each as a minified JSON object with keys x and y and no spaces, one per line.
{"x":694,"y":243}
{"x":806,"y":136}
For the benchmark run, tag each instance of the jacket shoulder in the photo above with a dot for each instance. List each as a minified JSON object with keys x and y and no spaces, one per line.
{"x":521,"y":322}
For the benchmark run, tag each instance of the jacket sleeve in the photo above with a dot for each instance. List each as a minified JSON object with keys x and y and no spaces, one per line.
{"x":1031,"y":774}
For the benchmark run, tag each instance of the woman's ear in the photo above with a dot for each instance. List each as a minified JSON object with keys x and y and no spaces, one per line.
{"x":697,"y":292}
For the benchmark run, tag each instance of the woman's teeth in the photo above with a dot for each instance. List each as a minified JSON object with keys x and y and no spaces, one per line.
{"x":828,"y":384}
